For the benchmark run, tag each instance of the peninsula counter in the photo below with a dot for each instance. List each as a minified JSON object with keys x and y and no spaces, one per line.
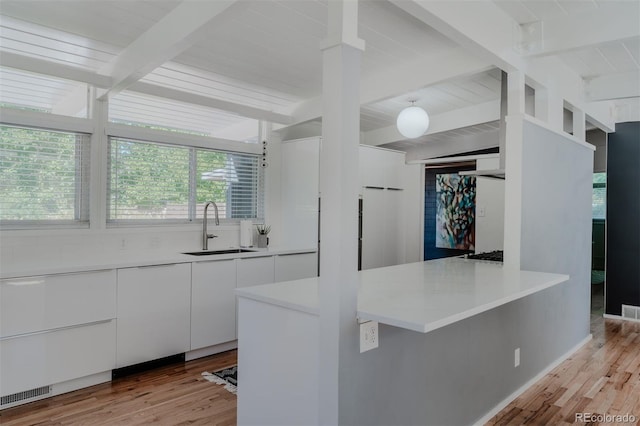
{"x":446,"y":298}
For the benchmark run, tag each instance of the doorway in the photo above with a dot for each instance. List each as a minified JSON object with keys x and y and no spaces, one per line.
{"x":598,"y":275}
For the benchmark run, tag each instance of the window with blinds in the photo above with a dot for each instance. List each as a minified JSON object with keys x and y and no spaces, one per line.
{"x":157,"y":182}
{"x":599,"y":201}
{"x":44,"y":177}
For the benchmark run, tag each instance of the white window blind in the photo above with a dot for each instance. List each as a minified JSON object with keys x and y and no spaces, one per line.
{"x":44,"y":177}
{"x":158,"y":182}
{"x":599,"y":201}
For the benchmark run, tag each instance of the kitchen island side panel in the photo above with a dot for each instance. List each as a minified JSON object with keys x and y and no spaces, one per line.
{"x":454,"y":375}
{"x":557,"y":195}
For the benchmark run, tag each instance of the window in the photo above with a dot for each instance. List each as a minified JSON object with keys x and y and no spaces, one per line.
{"x":151,"y":112}
{"x":599,"y":202}
{"x":158,"y":182}
{"x":44,"y":177}
{"x":38,"y":92}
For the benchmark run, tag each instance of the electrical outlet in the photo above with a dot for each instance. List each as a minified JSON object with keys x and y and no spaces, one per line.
{"x":368,"y":336}
{"x":481,"y":212}
{"x":516,"y":357}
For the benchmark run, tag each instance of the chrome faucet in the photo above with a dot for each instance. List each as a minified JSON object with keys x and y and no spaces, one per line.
{"x":205,"y":235}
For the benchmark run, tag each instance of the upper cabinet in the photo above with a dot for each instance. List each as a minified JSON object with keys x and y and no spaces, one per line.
{"x":393,"y":215}
{"x":381,"y":168}
{"x":300,"y":191}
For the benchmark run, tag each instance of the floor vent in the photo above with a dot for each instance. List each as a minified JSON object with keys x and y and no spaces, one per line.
{"x":23,"y":396}
{"x":631,"y":312}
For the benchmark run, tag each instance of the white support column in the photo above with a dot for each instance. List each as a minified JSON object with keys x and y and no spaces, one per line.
{"x":99,"y":156}
{"x":513,"y":169}
{"x":579,"y":124}
{"x":515,"y":93}
{"x":338,"y":282}
{"x":549,"y":108}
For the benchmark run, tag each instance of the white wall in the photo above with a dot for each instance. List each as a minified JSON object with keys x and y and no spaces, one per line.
{"x":69,"y":246}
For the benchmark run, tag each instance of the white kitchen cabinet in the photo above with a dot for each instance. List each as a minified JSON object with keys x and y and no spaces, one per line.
{"x":380,"y":167}
{"x":373,"y":223}
{"x":394,"y":237}
{"x":38,"y":303}
{"x":296,"y":266}
{"x":213,"y":306}
{"x":391,"y":229}
{"x":255,"y":271}
{"x":300,"y":177}
{"x":46,"y":358}
{"x":382,"y":238}
{"x":373,"y":166}
{"x":154,"y":312}
{"x":56,"y":328}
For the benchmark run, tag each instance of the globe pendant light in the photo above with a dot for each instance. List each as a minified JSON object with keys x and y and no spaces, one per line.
{"x":412,"y":121}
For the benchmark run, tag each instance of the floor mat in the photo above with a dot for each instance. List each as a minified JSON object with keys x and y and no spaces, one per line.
{"x":227,"y":377}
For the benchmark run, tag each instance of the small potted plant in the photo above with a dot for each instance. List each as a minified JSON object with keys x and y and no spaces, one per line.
{"x":263,"y":231}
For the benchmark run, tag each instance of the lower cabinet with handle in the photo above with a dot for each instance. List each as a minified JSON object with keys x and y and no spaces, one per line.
{"x":154,"y":312}
{"x":296,"y":266}
{"x":57,"y":333}
{"x":213,"y":307}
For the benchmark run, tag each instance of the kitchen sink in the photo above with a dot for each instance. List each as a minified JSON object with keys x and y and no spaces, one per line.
{"x":214,"y":252}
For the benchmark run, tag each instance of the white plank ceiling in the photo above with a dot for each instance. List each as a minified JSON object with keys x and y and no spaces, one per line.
{"x":262,"y":56}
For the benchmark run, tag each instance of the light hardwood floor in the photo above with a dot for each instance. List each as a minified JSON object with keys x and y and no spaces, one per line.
{"x":603,"y":377}
{"x":170,"y":395}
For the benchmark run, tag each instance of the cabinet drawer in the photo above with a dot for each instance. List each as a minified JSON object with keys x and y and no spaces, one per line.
{"x":47,"y":302}
{"x":42,"y":359}
{"x":296,"y":266}
{"x":255,"y":271}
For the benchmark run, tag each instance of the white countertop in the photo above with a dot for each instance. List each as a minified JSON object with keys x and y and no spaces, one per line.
{"x":422,"y":296}
{"x":57,"y":264}
{"x":298,"y":295}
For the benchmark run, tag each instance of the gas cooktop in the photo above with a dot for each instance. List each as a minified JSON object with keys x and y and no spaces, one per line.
{"x":493,"y":256}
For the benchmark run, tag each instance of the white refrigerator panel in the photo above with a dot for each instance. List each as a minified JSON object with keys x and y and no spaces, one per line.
{"x":300,"y":183}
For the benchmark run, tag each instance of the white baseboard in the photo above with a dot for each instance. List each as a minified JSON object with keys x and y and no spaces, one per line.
{"x":619,"y":317}
{"x":210,"y":350}
{"x":484,"y":419}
